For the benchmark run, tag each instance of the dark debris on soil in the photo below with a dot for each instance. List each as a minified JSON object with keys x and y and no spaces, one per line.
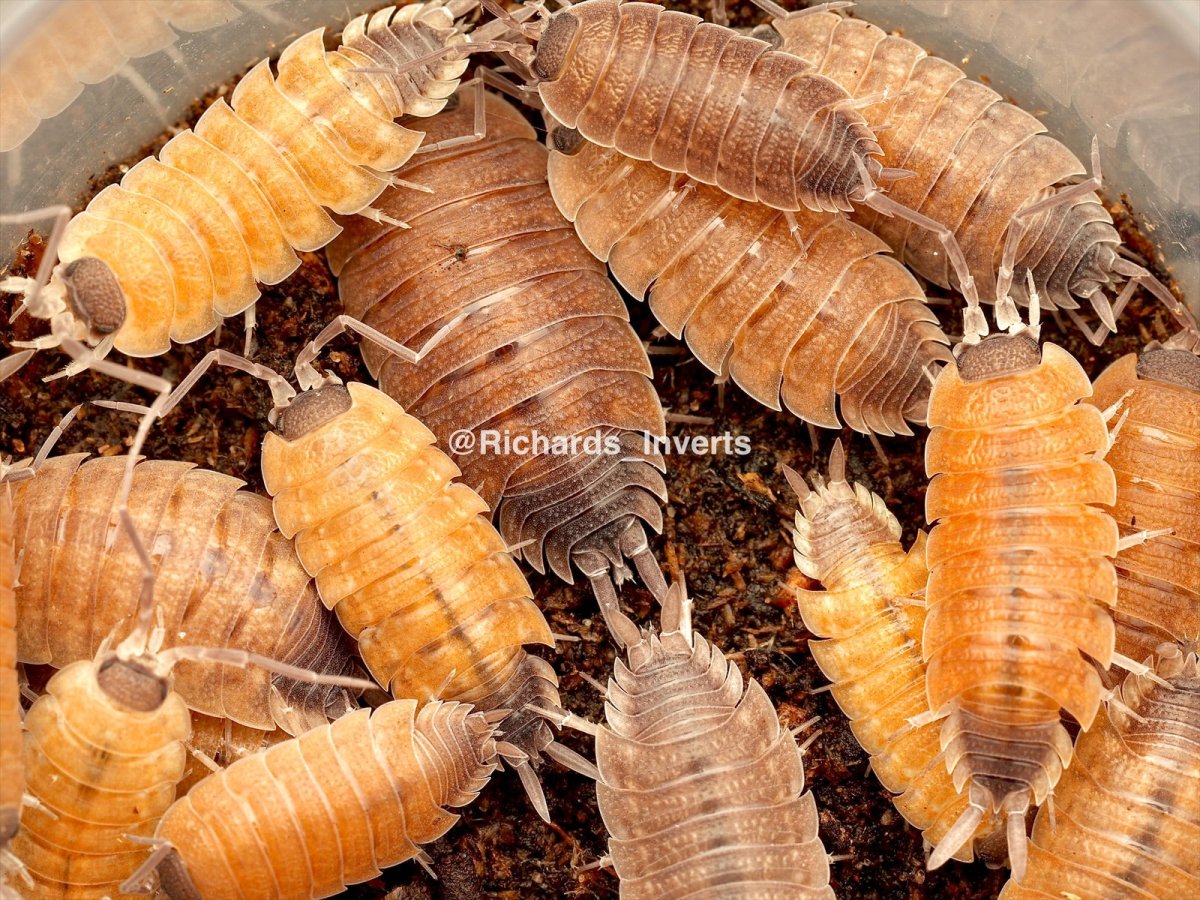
{"x":726,"y":528}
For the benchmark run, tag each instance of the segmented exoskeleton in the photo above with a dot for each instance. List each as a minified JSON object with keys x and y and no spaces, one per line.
{"x":871,"y":615}
{"x":226,"y":578}
{"x":407,"y":559}
{"x":12,"y":776}
{"x":216,"y":744}
{"x":699,"y":787}
{"x":836,"y":321}
{"x":1021,"y":574}
{"x":182,"y":241}
{"x":981,"y":167}
{"x":104,"y":749}
{"x":542,"y":347}
{"x":1156,"y":458}
{"x":313,"y":814}
{"x":1126,"y":820}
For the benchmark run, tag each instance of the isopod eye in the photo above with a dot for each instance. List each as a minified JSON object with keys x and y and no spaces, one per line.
{"x":312,"y":409}
{"x":567,"y":141}
{"x":998,"y":354}
{"x":95,"y":294}
{"x":554,"y":46}
{"x":132,"y":685}
{"x":1179,"y":367}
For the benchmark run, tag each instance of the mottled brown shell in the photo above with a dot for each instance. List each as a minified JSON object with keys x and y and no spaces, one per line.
{"x":1156,"y":458}
{"x":701,"y":99}
{"x":836,"y":324}
{"x":1127,"y":813}
{"x":1021,"y":576}
{"x":225,"y":578}
{"x":309,"y":816}
{"x":545,"y":346}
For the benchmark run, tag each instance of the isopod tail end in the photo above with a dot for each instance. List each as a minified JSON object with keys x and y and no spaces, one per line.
{"x":1018,"y":840}
{"x":954,"y":839}
{"x":533,"y":788}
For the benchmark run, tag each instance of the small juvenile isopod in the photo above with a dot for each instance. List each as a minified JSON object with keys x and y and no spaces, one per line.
{"x":540,"y":390}
{"x":1156,"y":458}
{"x":182,"y":241}
{"x":700,"y":789}
{"x":871,"y":615}
{"x":1126,"y":816}
{"x":980,"y":166}
{"x":313,"y":814}
{"x":226,"y":578}
{"x":1021,"y":577}
{"x":837,"y":323}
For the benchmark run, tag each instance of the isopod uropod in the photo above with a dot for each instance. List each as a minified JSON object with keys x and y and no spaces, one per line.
{"x":871,"y":616}
{"x":700,"y":789}
{"x":837,"y":323}
{"x":1156,"y":458}
{"x":182,"y":241}
{"x":981,"y":166}
{"x":540,"y":348}
{"x":1126,"y":819}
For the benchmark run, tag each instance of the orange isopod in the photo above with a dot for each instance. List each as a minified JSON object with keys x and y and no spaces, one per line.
{"x":216,"y":744}
{"x":1021,"y":576}
{"x":871,"y":616}
{"x":1126,"y":818}
{"x":12,"y":776}
{"x":1156,"y":458}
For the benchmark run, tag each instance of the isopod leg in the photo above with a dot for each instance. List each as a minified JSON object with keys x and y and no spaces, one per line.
{"x":250,"y":319}
{"x":32,"y":289}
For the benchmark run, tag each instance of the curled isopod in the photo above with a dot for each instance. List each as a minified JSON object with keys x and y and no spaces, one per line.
{"x":183,"y":240}
{"x":837,"y":323}
{"x":871,"y":616}
{"x":1126,"y":816}
{"x":980,"y":166}
{"x":700,"y":789}
{"x":226,"y":579}
{"x":313,"y":814}
{"x":1021,"y":577}
{"x":1156,"y":458}
{"x":538,"y":387}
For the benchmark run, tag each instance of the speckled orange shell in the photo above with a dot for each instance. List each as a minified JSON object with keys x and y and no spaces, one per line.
{"x":408,"y":560}
{"x":1021,"y":576}
{"x":229,"y":202}
{"x":224,"y":742}
{"x":12,"y":775}
{"x":872,"y":618}
{"x":1127,"y":813}
{"x":836,"y":323}
{"x":100,"y":771}
{"x":544,"y":346}
{"x":699,"y":98}
{"x":313,"y":814}
{"x":976,"y":161}
{"x":226,"y":578}
{"x":1156,"y":458}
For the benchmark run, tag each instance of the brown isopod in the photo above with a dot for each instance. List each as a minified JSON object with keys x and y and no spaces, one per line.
{"x":182,"y":241}
{"x":982,"y":167}
{"x":216,"y":744}
{"x":1126,"y":816}
{"x":226,"y":578}
{"x":700,"y":789}
{"x":309,"y":816}
{"x":838,"y":323}
{"x":1021,"y":577}
{"x":1156,"y":458}
{"x":540,"y":347}
{"x":871,"y":615}
{"x":724,"y":108}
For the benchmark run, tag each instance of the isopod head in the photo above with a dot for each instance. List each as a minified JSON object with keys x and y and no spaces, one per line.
{"x":132,"y":685}
{"x":555,"y":46}
{"x":1179,"y":367}
{"x":567,"y":141}
{"x":95,"y":294}
{"x":998,"y":355}
{"x":312,"y":409}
